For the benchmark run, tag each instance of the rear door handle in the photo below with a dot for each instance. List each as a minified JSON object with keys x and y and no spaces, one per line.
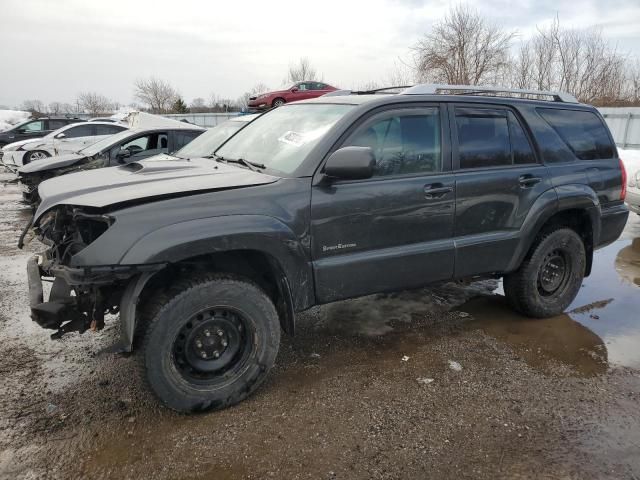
{"x":528,"y":181}
{"x":436,"y":190}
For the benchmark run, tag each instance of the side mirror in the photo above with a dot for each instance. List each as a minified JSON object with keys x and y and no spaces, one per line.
{"x":61,"y":135}
{"x":294,"y":89}
{"x":21,"y":130}
{"x":351,"y":163}
{"x":122,"y":154}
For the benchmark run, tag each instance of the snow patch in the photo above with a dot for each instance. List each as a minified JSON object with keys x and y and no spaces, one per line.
{"x":8,"y":118}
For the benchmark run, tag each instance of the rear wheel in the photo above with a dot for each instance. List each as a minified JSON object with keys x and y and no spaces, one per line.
{"x":210,"y":344}
{"x":278,"y":102}
{"x":34,"y":156}
{"x":550,"y":277}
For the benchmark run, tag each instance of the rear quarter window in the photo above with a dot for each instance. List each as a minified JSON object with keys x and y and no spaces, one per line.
{"x":582,"y":132}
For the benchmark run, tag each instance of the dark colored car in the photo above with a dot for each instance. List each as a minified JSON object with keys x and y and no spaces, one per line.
{"x":208,"y":259}
{"x":34,"y":128}
{"x":118,"y":149}
{"x":295,"y":92}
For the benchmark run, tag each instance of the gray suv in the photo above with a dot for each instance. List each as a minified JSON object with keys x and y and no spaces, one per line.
{"x":207,"y":259}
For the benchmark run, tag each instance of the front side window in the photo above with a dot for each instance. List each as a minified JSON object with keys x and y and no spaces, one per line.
{"x":281,"y":138}
{"x":403,"y":143}
{"x":183,"y":138}
{"x":36,"y":126}
{"x":583,"y":132}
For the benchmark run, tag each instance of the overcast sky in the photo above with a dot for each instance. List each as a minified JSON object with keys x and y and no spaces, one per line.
{"x":52,"y":50}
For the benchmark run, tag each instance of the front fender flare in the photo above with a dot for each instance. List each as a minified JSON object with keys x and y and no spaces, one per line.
{"x":180,"y":241}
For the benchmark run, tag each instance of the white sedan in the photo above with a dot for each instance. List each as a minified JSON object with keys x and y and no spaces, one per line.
{"x":631,"y":160}
{"x":68,"y":139}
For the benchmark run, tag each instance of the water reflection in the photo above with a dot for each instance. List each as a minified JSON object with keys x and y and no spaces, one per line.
{"x":540,"y":342}
{"x":628,"y":263}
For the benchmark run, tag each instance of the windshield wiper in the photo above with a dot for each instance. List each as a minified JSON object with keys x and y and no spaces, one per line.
{"x":250,"y":165}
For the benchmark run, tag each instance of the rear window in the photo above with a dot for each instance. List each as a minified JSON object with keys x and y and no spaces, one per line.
{"x":583,"y":132}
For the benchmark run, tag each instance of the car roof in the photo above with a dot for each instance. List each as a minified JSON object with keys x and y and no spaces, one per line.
{"x":110,"y":124}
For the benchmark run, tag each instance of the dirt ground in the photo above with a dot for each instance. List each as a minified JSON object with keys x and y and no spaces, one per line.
{"x":439,"y":383}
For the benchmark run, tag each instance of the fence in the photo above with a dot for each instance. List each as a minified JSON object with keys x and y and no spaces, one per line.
{"x":203,"y":119}
{"x":624,"y":123}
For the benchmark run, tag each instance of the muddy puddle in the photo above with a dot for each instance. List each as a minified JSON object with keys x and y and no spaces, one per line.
{"x":600,"y":329}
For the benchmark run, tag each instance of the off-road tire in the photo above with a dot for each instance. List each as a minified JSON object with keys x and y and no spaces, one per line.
{"x":523,"y":288}
{"x":167,"y":316}
{"x":278,"y":102}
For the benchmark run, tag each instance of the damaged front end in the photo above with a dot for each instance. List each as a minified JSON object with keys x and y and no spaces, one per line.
{"x":80,"y":296}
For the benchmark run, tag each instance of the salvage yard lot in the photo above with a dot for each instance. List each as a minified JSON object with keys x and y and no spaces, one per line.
{"x":368,"y":388}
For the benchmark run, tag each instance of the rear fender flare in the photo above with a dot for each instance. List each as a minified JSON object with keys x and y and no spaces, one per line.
{"x":551,"y":202}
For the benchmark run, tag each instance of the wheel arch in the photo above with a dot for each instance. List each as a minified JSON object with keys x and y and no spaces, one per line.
{"x":574,"y":206}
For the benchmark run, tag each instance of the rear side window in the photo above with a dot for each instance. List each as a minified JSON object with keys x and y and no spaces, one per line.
{"x":56,"y":124}
{"x":108,"y":129}
{"x":583,"y":132}
{"x":491,"y":138}
{"x":79,"y":131}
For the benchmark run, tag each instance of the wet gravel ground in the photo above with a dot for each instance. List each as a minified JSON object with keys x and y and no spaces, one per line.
{"x":438,"y":383}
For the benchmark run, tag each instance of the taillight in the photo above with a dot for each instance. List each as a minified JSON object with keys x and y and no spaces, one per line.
{"x":623,"y":192}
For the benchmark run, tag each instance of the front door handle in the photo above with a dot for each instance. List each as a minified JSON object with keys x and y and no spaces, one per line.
{"x":527,"y":181}
{"x":436,"y":190}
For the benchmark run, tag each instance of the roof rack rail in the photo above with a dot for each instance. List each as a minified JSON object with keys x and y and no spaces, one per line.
{"x":341,"y":93}
{"x":433,"y":88}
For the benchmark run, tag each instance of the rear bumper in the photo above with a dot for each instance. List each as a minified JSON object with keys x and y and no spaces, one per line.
{"x":612,"y":222}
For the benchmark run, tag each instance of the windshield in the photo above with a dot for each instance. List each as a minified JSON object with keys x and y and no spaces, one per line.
{"x":105,"y":143}
{"x":282,"y":138}
{"x":208,"y":142}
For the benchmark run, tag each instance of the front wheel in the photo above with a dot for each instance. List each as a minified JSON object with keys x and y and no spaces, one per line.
{"x":34,"y":156}
{"x":278,"y":102}
{"x":550,"y":277}
{"x":211,"y":344}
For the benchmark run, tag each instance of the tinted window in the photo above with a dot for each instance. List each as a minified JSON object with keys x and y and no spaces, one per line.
{"x":107,"y":129}
{"x":79,"y":131}
{"x":522,"y":151}
{"x":36,"y":126}
{"x":403,"y":143}
{"x":56,"y":124}
{"x":182,"y":138}
{"x":483,"y":137}
{"x":583,"y":132}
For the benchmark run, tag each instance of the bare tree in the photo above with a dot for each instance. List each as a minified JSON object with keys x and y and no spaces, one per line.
{"x":33,"y":106}
{"x":464,"y":48}
{"x":400,"y":75}
{"x":158,"y":95}
{"x":577,"y":61}
{"x":55,"y":108}
{"x":94,"y":103}
{"x":198,"y":105}
{"x":302,"y":71}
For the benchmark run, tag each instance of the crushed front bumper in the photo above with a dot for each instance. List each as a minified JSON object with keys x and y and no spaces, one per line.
{"x":93,"y":288}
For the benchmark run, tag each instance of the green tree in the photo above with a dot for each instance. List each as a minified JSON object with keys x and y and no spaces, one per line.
{"x":179,"y":106}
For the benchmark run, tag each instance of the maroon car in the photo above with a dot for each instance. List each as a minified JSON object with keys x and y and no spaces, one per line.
{"x":297,"y":91}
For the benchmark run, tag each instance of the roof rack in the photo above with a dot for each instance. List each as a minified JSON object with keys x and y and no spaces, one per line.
{"x":432,"y":89}
{"x":341,"y":93}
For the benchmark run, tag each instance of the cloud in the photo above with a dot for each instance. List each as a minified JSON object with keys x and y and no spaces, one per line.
{"x":54,"y":50}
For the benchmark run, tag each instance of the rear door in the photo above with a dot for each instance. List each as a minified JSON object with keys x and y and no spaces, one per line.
{"x":394,"y":230}
{"x":498,"y":178}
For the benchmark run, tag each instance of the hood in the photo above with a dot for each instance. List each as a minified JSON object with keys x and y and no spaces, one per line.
{"x":16,"y":145}
{"x":155,"y":177}
{"x":57,"y":161}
